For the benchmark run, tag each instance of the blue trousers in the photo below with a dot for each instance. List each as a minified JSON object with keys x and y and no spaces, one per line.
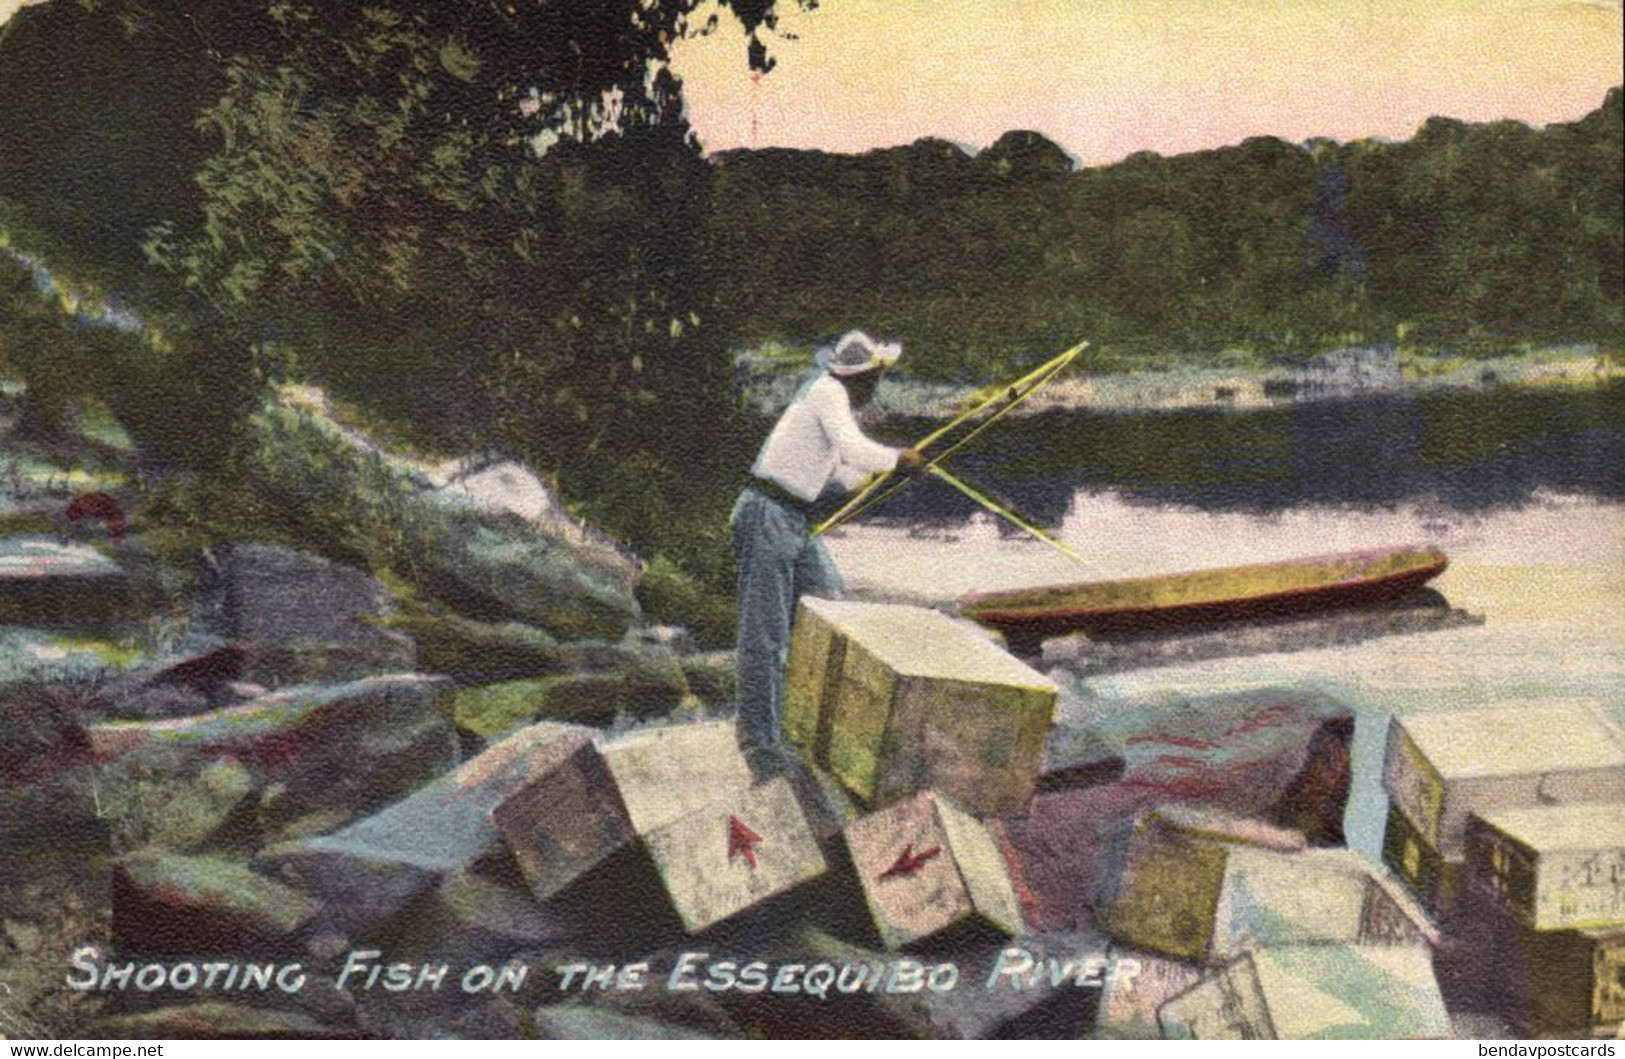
{"x":777,"y":566}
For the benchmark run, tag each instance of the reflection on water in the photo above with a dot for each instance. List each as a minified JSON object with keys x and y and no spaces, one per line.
{"x":1088,"y":655}
{"x":1527,"y":502}
{"x":1466,"y":451}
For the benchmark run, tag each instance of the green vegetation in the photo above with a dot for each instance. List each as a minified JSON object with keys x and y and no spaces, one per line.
{"x":488,"y":228}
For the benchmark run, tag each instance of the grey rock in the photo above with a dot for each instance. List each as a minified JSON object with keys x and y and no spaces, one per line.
{"x":156,"y":702}
{"x":268,"y":593}
{"x":191,"y":685}
{"x":476,"y":652}
{"x":472,"y":918}
{"x":44,"y":581}
{"x":496,"y":567}
{"x":284,"y":665}
{"x":369,"y":870}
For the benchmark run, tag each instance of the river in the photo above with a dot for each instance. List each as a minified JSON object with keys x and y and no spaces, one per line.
{"x":1525,"y":491}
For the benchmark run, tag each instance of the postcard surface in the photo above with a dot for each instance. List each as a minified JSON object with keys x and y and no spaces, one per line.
{"x":796,"y":520}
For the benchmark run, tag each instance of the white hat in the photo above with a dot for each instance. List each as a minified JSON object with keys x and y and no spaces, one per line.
{"x":856,"y":353}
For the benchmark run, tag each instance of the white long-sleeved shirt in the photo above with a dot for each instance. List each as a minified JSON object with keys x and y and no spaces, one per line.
{"x":817,"y":440}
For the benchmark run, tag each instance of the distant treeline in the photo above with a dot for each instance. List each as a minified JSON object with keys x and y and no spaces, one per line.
{"x":437,"y":211}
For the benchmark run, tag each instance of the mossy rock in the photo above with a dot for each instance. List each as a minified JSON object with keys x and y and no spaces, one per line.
{"x":652,"y":685}
{"x":205,"y":811}
{"x":712,"y":677}
{"x":498,"y":567}
{"x":471,"y":651}
{"x":44,"y":582}
{"x":285,"y":664}
{"x":165,"y":903}
{"x":578,"y":698}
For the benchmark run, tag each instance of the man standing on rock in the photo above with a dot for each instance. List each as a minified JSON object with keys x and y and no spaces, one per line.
{"x":815,"y":446}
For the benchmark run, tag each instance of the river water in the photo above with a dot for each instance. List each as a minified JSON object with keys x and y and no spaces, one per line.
{"x":1525,"y":491}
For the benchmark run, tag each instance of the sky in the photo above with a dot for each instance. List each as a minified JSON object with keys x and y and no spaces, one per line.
{"x":1106,"y":78}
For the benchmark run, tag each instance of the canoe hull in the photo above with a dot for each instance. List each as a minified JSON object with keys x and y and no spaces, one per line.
{"x":1390,"y":575}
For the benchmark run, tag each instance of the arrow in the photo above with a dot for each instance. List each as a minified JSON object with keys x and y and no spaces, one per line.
{"x":1011,"y":517}
{"x":742,"y":840}
{"x":909,"y":862}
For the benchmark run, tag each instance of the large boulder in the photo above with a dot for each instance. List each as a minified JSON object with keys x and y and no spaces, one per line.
{"x":367,"y":871}
{"x":1278,"y":755}
{"x":638,"y":682}
{"x":473,"y":918}
{"x":272,"y":594}
{"x":510,"y":486}
{"x":496,"y":566}
{"x":484,"y":562}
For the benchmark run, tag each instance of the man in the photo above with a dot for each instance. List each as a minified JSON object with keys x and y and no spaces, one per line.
{"x":816,"y":444}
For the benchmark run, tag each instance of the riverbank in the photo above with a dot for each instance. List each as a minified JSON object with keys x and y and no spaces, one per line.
{"x":768,"y":376}
{"x":257,"y":761}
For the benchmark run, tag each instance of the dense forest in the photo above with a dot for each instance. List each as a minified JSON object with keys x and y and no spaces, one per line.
{"x":1463,"y":236}
{"x":491,"y":227}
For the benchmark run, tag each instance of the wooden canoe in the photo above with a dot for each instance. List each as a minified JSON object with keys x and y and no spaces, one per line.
{"x":1264,"y":590}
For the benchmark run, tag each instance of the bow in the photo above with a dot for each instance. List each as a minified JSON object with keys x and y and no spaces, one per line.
{"x":888,"y":484}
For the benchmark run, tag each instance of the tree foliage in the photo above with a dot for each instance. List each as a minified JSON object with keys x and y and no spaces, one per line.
{"x":483,"y":219}
{"x":1465,"y":233}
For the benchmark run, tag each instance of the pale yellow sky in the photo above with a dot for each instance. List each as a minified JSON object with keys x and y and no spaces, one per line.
{"x":1105,"y":78}
{"x":9,"y":8}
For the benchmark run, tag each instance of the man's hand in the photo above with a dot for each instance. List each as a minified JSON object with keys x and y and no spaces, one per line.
{"x":911,"y":462}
